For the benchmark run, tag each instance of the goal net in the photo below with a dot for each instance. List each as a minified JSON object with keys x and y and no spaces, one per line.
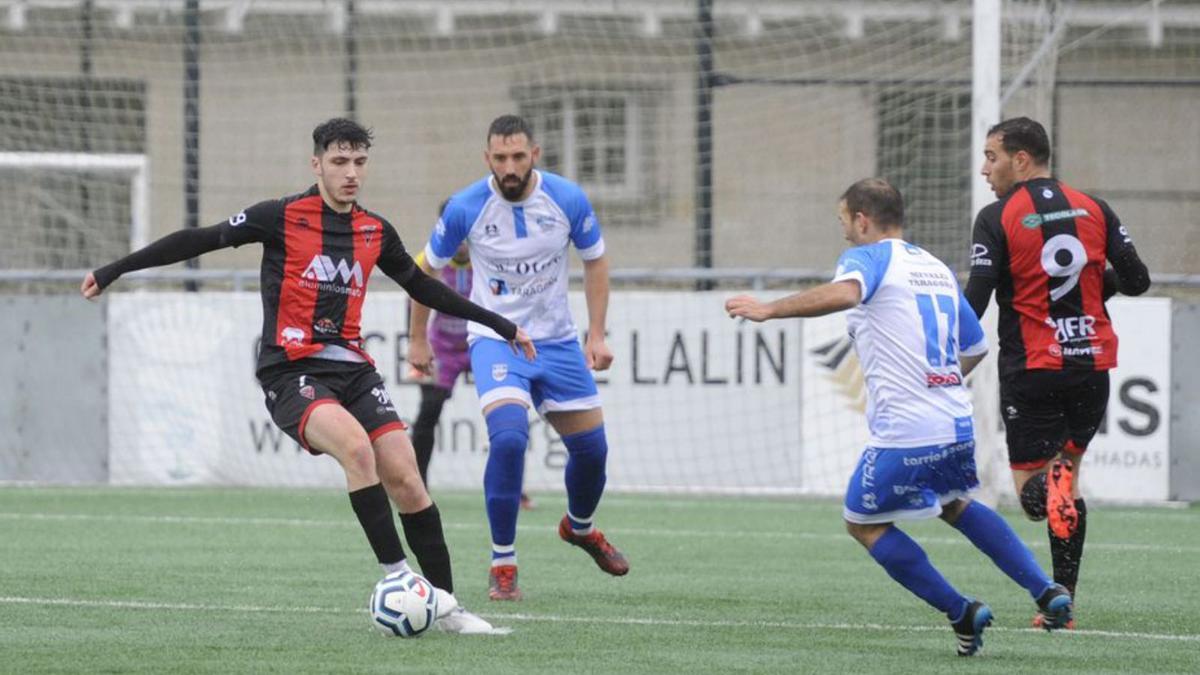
{"x":722,"y":144}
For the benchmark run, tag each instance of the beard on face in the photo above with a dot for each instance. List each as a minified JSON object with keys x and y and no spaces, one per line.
{"x":513,"y":186}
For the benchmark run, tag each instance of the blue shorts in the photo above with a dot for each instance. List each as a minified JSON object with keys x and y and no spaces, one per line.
{"x":909,"y":483}
{"x":557,"y":380}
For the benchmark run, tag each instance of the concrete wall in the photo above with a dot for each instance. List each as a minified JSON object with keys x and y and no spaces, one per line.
{"x":54,"y":403}
{"x":1185,"y":401}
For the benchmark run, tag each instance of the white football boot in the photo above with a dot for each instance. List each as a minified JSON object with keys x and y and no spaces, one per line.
{"x":454,"y":618}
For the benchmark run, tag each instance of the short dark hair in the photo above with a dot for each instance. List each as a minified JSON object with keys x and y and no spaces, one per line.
{"x":340,"y":130}
{"x":1022,"y":133}
{"x":509,"y":125}
{"x":878,"y":199}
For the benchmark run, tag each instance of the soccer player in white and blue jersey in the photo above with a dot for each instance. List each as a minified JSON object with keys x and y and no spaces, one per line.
{"x":916,"y":337}
{"x":519,"y":223}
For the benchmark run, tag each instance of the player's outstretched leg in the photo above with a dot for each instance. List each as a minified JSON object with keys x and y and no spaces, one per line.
{"x":905,"y":561}
{"x":587,"y":454}
{"x":990,"y":533}
{"x":508,"y":434}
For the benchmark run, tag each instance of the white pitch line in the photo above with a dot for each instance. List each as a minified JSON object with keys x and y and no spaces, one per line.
{"x":551,"y":618}
{"x":623,"y":531}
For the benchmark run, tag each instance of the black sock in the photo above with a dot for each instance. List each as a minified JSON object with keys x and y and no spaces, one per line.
{"x":374,"y":513}
{"x":432,"y":400}
{"x":1067,"y":553}
{"x":423,"y":530}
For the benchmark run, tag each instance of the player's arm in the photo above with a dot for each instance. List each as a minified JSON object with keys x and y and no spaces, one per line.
{"x":182,"y":245}
{"x":988,"y":255}
{"x":588,"y":240}
{"x":596,"y":292}
{"x":395,"y":262}
{"x":449,"y":231}
{"x":420,"y":353}
{"x":859,"y":273}
{"x":972,"y":343}
{"x":1128,"y":274}
{"x":834,"y":296}
{"x":968,"y":363}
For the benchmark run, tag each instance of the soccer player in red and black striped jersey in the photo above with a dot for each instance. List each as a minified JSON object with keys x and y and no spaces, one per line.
{"x":1043,"y":248}
{"x":321,"y":387}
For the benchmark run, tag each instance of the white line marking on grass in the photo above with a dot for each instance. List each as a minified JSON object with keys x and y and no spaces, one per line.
{"x":174,"y":606}
{"x":692,"y":623}
{"x":552,"y":618}
{"x":621,"y":531}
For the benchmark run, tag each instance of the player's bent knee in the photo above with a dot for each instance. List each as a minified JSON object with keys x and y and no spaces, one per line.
{"x":591,"y":442}
{"x":952,"y":510}
{"x":1033,"y":497}
{"x":357,"y":458}
{"x":864,"y":533}
{"x":508,"y":429}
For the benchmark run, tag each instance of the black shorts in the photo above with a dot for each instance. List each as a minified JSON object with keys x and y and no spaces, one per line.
{"x":1051,"y":411}
{"x":295,"y":389}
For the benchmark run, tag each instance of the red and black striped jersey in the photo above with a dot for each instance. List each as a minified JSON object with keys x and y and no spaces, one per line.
{"x":315,"y":267}
{"x":1045,"y":246}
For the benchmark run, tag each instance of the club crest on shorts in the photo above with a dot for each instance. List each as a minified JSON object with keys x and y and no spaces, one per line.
{"x":499,"y":371}
{"x":308,"y":392}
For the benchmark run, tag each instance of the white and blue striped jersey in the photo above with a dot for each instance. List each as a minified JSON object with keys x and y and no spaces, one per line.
{"x":908,"y":332}
{"x":519,"y":251}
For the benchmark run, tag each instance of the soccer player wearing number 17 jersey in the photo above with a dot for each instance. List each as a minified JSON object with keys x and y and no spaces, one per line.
{"x":915,"y":336}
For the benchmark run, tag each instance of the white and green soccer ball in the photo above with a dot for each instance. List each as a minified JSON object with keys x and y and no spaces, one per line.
{"x":404,"y":604}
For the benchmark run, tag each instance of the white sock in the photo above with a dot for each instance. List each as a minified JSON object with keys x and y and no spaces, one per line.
{"x":401,"y":566}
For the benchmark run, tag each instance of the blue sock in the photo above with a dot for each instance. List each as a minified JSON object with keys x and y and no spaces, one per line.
{"x":587,"y":452}
{"x":991,"y":534}
{"x":508,"y":434}
{"x":906,"y":562}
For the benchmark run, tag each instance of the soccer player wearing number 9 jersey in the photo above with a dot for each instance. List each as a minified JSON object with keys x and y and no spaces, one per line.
{"x":1043,"y":248}
{"x":916,"y":337}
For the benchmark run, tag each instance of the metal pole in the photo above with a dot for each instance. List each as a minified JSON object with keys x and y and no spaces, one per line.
{"x":191,"y":123}
{"x":86,"y":44}
{"x":985,"y":91}
{"x":351,"y":60}
{"x":704,"y":142}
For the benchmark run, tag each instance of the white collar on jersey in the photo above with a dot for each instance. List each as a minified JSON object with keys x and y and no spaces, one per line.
{"x":537,"y":183}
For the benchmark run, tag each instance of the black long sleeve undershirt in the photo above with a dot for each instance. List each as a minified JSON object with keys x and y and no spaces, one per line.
{"x":189,"y":243}
{"x":437,"y":295}
{"x":1128,"y":276}
{"x":175,"y":247}
{"x":978,"y":292}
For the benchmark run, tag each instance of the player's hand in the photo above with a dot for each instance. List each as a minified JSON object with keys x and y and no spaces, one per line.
{"x":420,"y":355}
{"x":596,"y":352}
{"x":417,"y":376}
{"x":747,"y":307}
{"x":523,"y":343}
{"x":89,"y":288}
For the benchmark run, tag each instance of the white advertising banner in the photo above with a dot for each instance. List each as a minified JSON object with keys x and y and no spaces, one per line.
{"x":1130,"y":458}
{"x":1127,"y":461}
{"x":694,"y":401}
